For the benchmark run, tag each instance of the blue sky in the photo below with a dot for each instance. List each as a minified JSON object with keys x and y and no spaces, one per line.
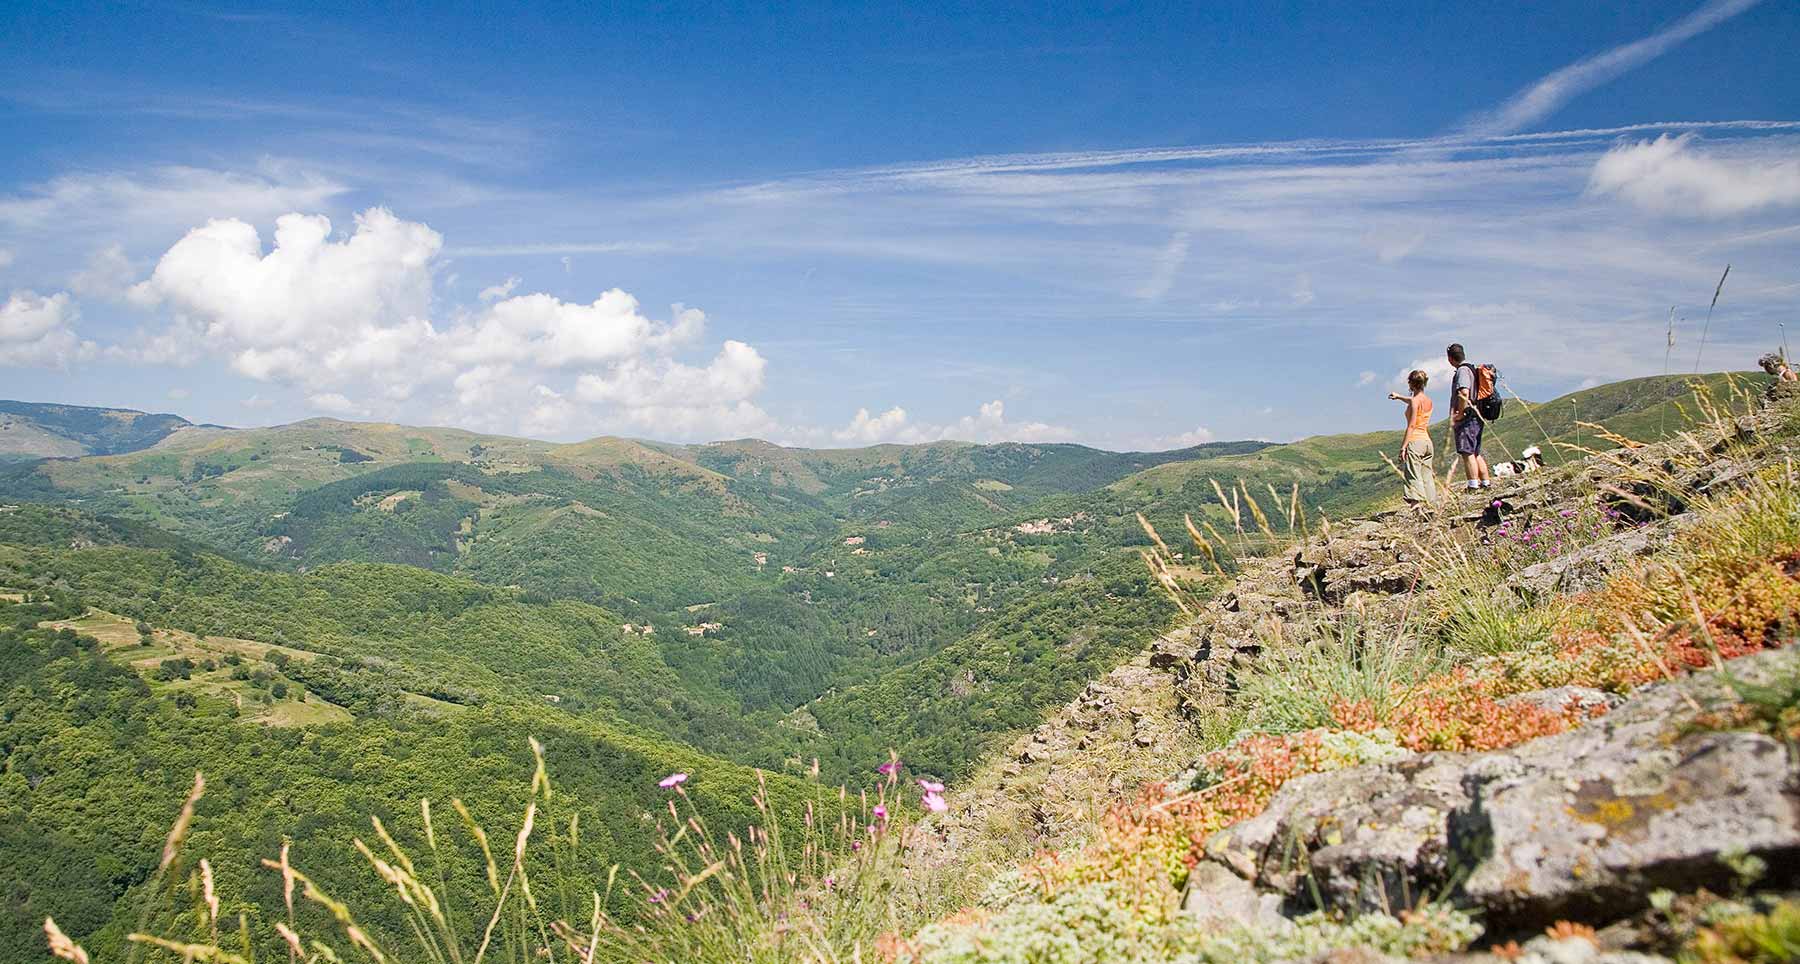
{"x":1128,"y":225}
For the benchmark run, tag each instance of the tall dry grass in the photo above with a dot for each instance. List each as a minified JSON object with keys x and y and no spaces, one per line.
{"x":823,"y":890}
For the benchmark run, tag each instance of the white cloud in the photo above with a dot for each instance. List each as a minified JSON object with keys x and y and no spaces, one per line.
{"x":868,"y":430}
{"x":347,"y":317}
{"x":160,"y":199}
{"x":665,"y":396}
{"x":1164,"y":267}
{"x":1198,"y":435}
{"x":311,"y":310}
{"x":988,"y":424}
{"x":335,"y":403}
{"x":256,"y":402}
{"x":501,"y":290}
{"x":1671,"y":176}
{"x":1366,"y":379}
{"x":1437,"y":370}
{"x":38,"y":330}
{"x":547,"y":331}
{"x":178,"y":394}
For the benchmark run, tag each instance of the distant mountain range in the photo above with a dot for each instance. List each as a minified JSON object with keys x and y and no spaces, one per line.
{"x":38,"y":430}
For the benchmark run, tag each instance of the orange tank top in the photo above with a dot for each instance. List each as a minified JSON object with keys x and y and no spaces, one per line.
{"x":1419,"y":424}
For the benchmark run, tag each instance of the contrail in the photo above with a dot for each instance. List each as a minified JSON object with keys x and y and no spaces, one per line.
{"x":1556,"y":89}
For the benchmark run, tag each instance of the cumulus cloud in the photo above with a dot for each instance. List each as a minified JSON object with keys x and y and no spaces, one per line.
{"x":350,"y":319}
{"x":1437,"y":370}
{"x":310,"y":309}
{"x":866,"y":429}
{"x":988,"y":424}
{"x":39,"y":330}
{"x":1670,"y":175}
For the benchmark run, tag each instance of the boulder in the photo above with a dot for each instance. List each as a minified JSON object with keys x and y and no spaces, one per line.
{"x":1217,"y":896}
{"x":1585,"y":826}
{"x":1368,"y":838}
{"x":1582,"y":825}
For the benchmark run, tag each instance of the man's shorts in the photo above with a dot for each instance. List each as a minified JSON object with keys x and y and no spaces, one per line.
{"x":1468,"y":435}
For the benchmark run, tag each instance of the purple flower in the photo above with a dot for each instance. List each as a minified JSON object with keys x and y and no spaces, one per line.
{"x":880,"y":812}
{"x":672,"y":780}
{"x":889,"y":768}
{"x":934,"y":802}
{"x":931,"y":787}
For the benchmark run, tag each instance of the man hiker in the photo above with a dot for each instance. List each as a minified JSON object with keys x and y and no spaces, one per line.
{"x":1465,"y":422}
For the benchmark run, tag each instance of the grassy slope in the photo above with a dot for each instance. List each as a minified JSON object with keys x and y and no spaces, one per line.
{"x":1346,"y":474}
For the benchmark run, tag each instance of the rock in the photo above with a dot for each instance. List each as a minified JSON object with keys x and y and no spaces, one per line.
{"x":1564,"y":699}
{"x":1585,"y":568}
{"x":1385,"y":580}
{"x":1581,"y":825}
{"x":1218,"y":896}
{"x":1368,"y":838}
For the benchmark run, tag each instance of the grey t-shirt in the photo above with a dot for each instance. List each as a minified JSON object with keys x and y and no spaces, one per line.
{"x":1459,"y":381}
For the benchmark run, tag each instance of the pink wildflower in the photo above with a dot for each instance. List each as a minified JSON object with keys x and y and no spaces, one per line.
{"x":935,"y":803}
{"x":672,"y":780}
{"x":931,"y":787}
{"x":889,"y":768}
{"x":880,"y":812}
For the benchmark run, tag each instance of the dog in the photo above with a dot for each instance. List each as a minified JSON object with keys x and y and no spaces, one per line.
{"x":1530,"y":460}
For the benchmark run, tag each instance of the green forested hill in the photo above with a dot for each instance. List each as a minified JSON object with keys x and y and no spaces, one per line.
{"x":100,"y":747}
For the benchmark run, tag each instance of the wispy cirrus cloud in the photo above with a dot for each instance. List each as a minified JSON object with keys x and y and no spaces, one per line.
{"x":1551,"y":92}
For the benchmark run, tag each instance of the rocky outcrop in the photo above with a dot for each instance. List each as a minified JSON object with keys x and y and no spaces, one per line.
{"x":1568,"y":826}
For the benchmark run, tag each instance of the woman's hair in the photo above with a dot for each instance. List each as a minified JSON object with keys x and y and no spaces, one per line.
{"x":1416,"y":380}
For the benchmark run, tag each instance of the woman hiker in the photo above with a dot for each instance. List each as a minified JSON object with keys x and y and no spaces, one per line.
{"x":1420,"y":490}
